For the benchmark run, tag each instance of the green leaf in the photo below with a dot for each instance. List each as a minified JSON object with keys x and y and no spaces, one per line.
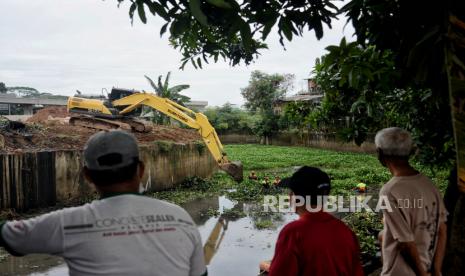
{"x":179,"y":26}
{"x":285,"y":28}
{"x":267,"y":28}
{"x":183,"y":64}
{"x":149,"y":4}
{"x":179,"y":88}
{"x":163,"y":29}
{"x":369,"y":110}
{"x":141,"y":11}
{"x":167,"y":80}
{"x":132,"y":9}
{"x":318,"y":28}
{"x":246,"y":35}
{"x":350,"y":78}
{"x":220,"y":4}
{"x":193,"y":63}
{"x":197,"y":12}
{"x":154,"y":86}
{"x":160,"y":11}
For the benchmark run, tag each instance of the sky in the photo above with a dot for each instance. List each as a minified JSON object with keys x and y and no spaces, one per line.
{"x":68,"y":45}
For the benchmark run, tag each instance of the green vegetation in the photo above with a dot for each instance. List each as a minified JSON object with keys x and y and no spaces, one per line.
{"x":228,"y":118}
{"x":345,"y":169}
{"x":261,"y":93}
{"x":233,"y":214}
{"x":164,"y":90}
{"x":366,"y":226}
{"x":369,"y":94}
{"x":264,"y":224}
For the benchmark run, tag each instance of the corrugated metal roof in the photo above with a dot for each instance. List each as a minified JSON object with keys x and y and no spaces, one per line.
{"x":302,"y":98}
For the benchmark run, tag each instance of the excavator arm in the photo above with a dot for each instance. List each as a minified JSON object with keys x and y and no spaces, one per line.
{"x":188,"y":117}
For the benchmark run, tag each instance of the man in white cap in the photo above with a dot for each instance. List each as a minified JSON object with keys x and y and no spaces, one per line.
{"x":123,"y":233}
{"x":414,"y":235}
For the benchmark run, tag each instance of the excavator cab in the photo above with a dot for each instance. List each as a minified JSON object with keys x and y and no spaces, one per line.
{"x":119,"y":93}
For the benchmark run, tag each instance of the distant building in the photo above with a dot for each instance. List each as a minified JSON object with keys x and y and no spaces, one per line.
{"x":313,"y":94}
{"x":197,"y":105}
{"x":10,"y":104}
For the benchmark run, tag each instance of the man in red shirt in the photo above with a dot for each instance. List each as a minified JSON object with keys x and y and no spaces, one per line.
{"x":317,"y":243}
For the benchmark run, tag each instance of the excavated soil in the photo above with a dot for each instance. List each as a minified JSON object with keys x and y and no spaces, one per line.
{"x":49,"y":114}
{"x":48,"y":129}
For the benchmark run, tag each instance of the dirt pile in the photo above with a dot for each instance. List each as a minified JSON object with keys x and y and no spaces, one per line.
{"x":46,"y":136}
{"x":53,"y":113}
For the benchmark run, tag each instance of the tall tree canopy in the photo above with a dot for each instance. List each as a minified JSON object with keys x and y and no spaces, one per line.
{"x":232,"y":30}
{"x":260,"y":95}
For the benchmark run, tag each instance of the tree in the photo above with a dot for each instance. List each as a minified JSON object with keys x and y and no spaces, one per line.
{"x":296,"y":115}
{"x":162,"y":89}
{"x":363,"y":84}
{"x":26,"y":92}
{"x":229,"y":119}
{"x":211,"y":29}
{"x":355,"y":80}
{"x":3,"y":88}
{"x":261,"y":94}
{"x":165,"y":91}
{"x":264,"y":90}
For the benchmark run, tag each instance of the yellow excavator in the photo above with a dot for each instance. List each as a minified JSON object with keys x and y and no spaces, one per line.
{"x":121,"y":110}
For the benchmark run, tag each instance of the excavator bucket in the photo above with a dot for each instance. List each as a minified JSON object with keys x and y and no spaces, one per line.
{"x":234,"y":169}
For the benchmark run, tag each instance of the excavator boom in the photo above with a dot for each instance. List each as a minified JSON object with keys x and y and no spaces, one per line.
{"x":188,"y":117}
{"x":116,"y":113}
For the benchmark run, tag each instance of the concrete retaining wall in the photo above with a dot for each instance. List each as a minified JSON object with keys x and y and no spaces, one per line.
{"x":316,"y":140}
{"x":40,"y":179}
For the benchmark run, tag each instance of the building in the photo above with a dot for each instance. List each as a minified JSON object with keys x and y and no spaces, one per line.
{"x":10,"y":104}
{"x":197,"y":105}
{"x":313,"y":94}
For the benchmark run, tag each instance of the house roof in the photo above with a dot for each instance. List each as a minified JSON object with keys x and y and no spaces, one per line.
{"x":302,"y":97}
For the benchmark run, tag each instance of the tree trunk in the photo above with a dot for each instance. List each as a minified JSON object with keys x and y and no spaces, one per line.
{"x":454,"y":52}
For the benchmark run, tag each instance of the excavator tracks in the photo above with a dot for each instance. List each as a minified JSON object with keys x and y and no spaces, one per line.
{"x":138,"y":125}
{"x":134,"y":125}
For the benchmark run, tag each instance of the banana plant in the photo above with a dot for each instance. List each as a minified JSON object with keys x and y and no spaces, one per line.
{"x":163,"y":90}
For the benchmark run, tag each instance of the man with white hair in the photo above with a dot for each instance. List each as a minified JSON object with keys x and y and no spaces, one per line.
{"x":414,"y":235}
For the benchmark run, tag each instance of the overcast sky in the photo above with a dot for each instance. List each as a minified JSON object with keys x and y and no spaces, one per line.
{"x":61,"y":46}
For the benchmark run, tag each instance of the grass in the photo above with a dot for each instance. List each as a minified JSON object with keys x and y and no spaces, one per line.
{"x":345,"y":169}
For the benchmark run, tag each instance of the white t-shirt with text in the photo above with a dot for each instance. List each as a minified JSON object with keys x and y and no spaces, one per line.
{"x":121,"y":235}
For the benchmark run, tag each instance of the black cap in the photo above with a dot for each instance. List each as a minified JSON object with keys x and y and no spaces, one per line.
{"x":309,"y":181}
{"x":110,"y":150}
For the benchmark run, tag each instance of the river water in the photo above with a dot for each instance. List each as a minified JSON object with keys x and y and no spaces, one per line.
{"x":236,"y":247}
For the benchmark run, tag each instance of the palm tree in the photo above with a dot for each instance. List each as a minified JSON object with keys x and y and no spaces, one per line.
{"x":163,"y":90}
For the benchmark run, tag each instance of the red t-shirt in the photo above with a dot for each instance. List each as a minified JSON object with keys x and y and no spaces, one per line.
{"x":316,"y":244}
